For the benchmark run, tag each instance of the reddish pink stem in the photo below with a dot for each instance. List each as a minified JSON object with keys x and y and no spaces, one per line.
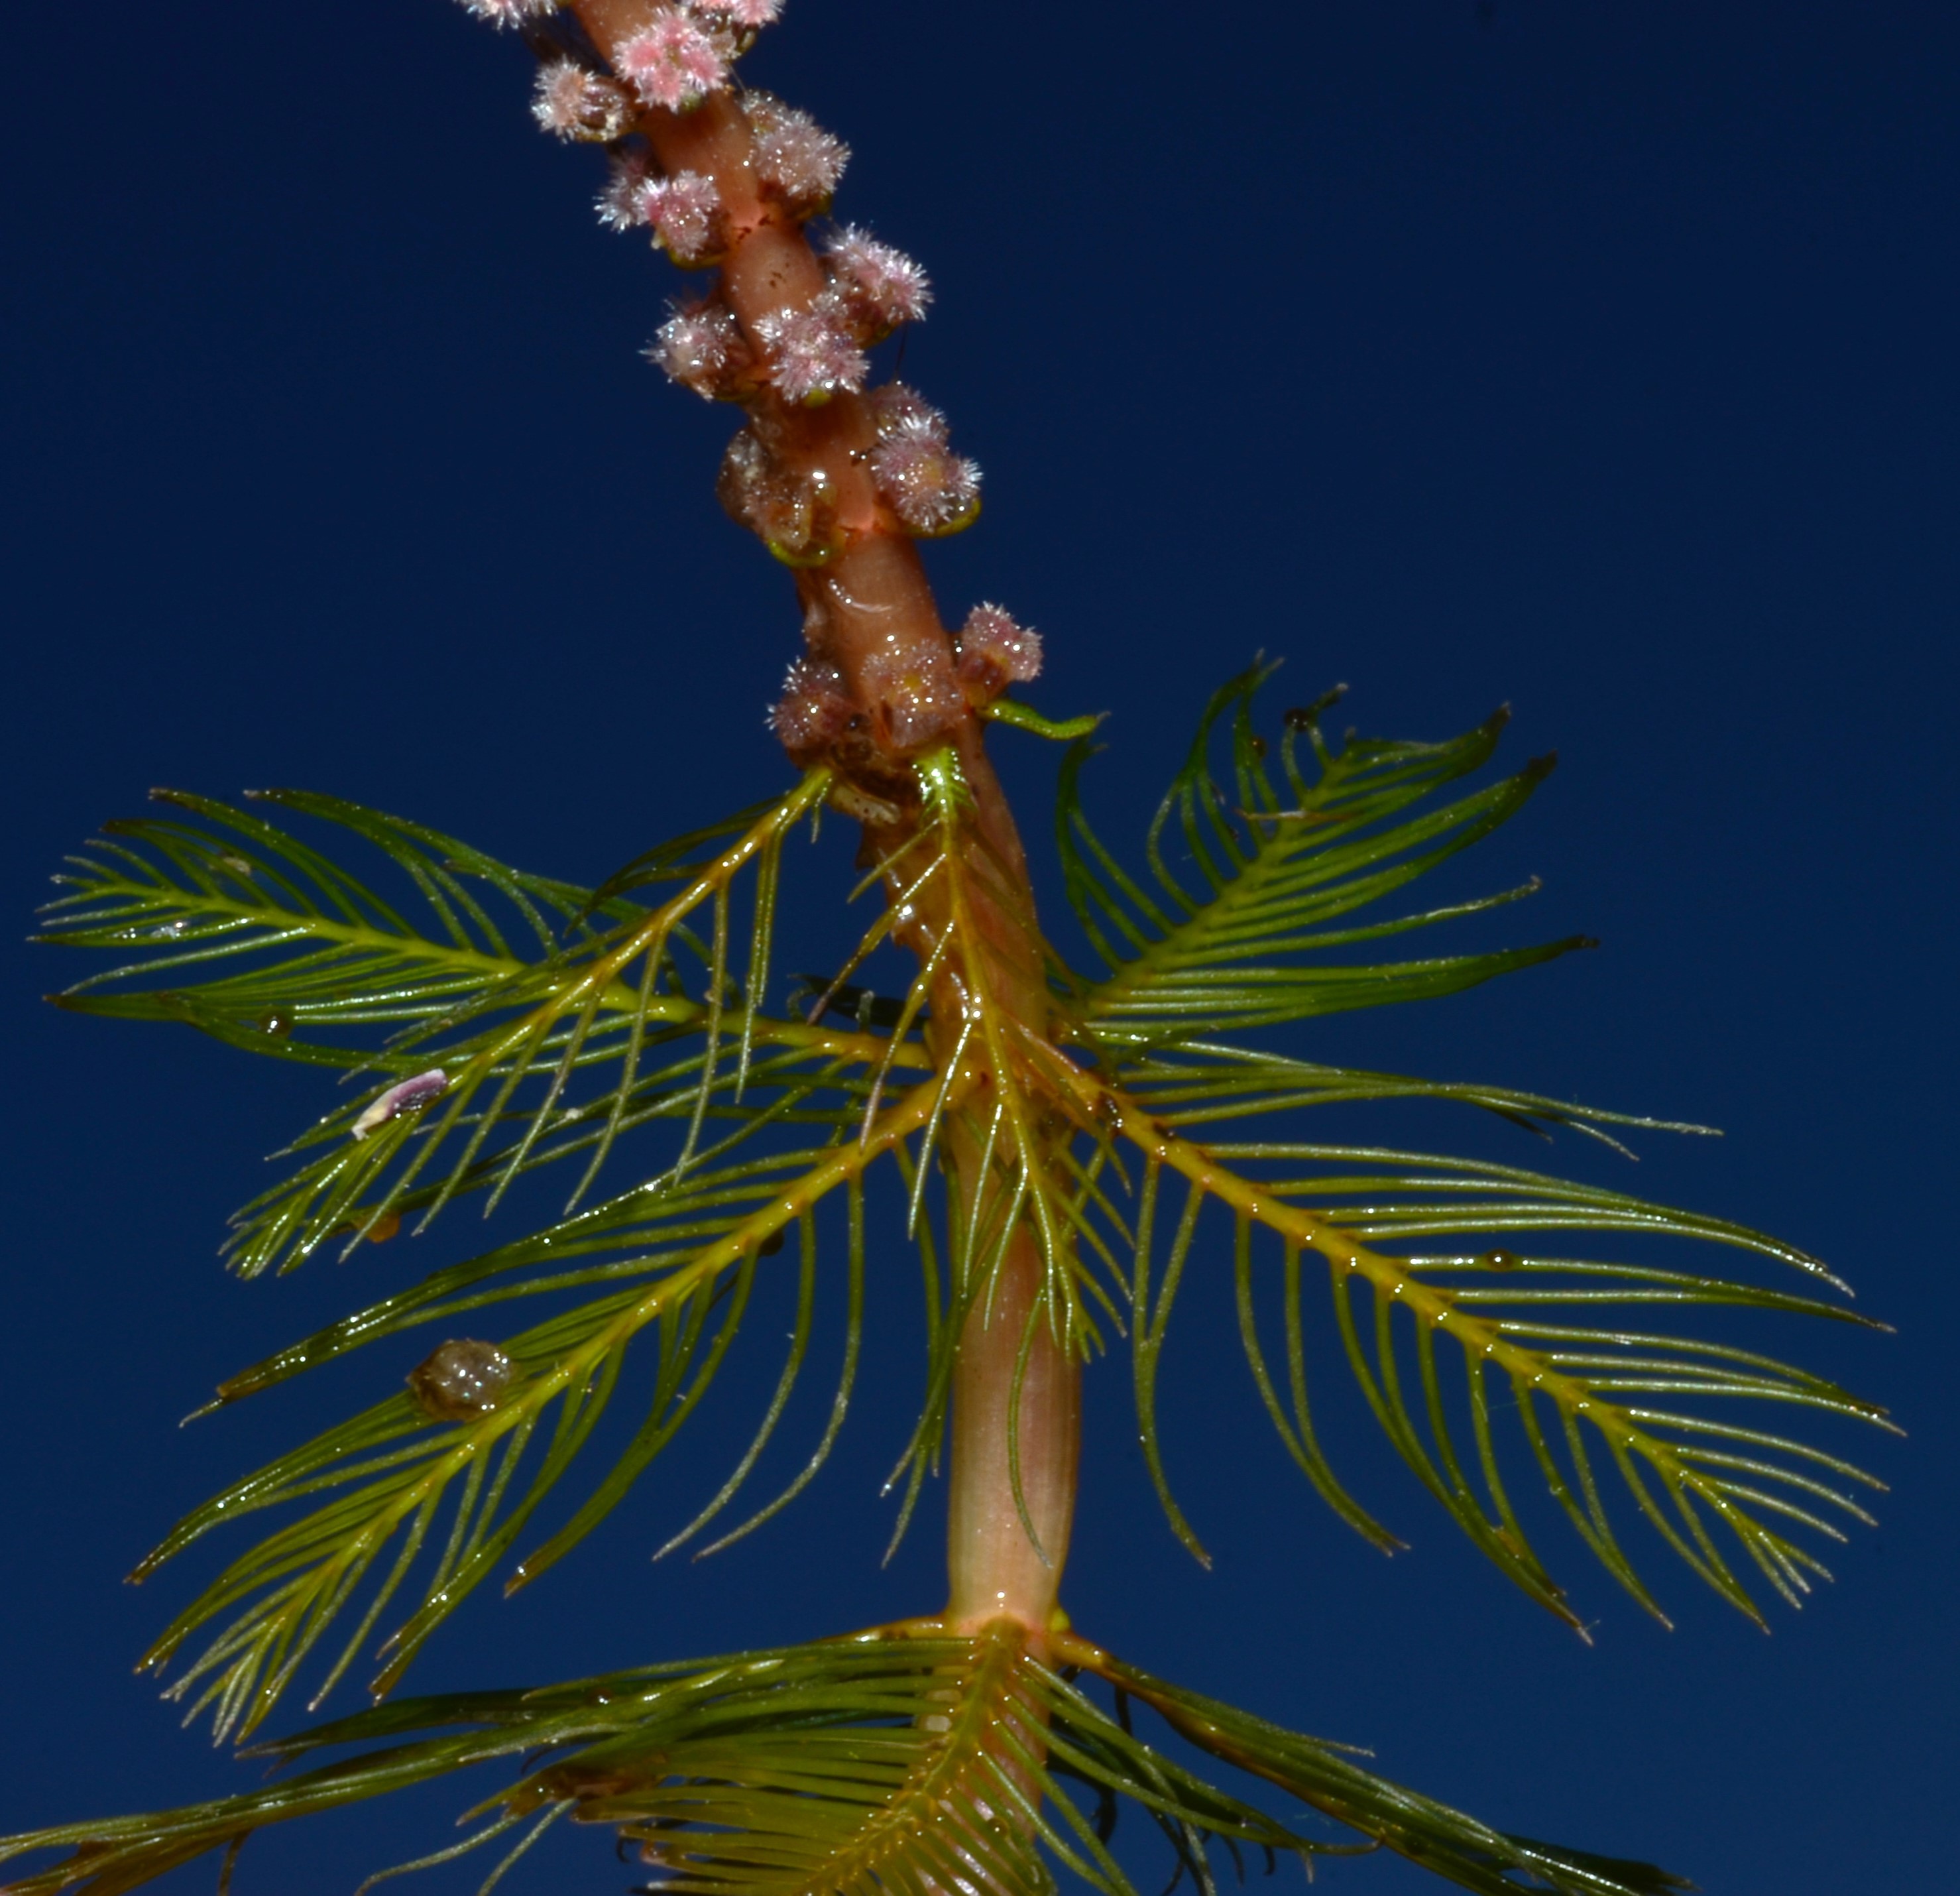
{"x":871,"y":612}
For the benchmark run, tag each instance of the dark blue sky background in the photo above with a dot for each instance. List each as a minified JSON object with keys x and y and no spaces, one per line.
{"x":1599,"y":357}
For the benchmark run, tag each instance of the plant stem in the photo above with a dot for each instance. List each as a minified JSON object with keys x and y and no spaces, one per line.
{"x":870,"y":611}
{"x":994,"y":1569}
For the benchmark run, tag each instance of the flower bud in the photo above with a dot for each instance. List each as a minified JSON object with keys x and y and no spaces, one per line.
{"x":622,"y":205}
{"x":879,"y":286}
{"x":812,"y":351}
{"x":749,"y":14}
{"x":797,"y":162}
{"x":814,"y":711}
{"x":703,"y":348}
{"x":794,"y":514}
{"x":994,"y":652}
{"x":931,"y":490}
{"x":687,"y":215}
{"x":673,"y":61}
{"x":510,"y":13}
{"x":575,"y":103}
{"x":910,"y":688}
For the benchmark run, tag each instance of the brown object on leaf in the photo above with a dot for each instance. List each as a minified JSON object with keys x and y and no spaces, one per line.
{"x":461,"y":1380}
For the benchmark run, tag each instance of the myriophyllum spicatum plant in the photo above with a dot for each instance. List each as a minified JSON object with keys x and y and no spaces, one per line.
{"x":1062,"y":1144}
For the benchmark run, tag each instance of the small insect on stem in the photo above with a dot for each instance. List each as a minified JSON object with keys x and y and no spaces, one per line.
{"x":404,"y":1097}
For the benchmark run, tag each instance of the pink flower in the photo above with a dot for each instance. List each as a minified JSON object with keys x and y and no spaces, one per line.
{"x":686,"y":213}
{"x":621,"y":205}
{"x":702,"y":349}
{"x":743,"y":13}
{"x":931,"y":489}
{"x":813,"y":353}
{"x":511,"y":12}
{"x":995,"y":652}
{"x":912,"y":688}
{"x":881,"y":287}
{"x":673,"y":61}
{"x":814,"y":710}
{"x":895,"y":405}
{"x":578,"y":104}
{"x":796,"y":160}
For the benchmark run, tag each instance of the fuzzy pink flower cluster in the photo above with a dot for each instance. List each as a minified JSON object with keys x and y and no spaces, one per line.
{"x":913,"y":692}
{"x":576,"y":104}
{"x":814,"y":710}
{"x":621,"y":205}
{"x":814,"y":353}
{"x":796,"y":160}
{"x":931,"y":489}
{"x":685,"y":49}
{"x":994,"y":652}
{"x":510,"y":13}
{"x":673,"y":61}
{"x":880,"y":287}
{"x":702,"y":349}
{"x":687,"y":215}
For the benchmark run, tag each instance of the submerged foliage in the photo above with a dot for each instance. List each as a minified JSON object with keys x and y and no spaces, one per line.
{"x":906,"y":1760}
{"x":1479,"y":1308}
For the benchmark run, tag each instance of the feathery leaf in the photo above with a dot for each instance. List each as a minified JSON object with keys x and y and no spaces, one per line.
{"x":676,"y":1258}
{"x":886,"y":1764}
{"x":501,"y":1046}
{"x":1278,"y":865}
{"x":1441,"y":1344}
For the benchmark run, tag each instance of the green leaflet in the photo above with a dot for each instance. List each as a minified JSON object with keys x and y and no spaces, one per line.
{"x":1278,"y":865}
{"x":268,"y":945}
{"x":394,"y":1482}
{"x":271,"y":945}
{"x":888,"y":1765}
{"x":1200,"y":1082}
{"x":1451,"y":1348}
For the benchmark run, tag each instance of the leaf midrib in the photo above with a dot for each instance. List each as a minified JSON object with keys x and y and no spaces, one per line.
{"x":286,"y":925}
